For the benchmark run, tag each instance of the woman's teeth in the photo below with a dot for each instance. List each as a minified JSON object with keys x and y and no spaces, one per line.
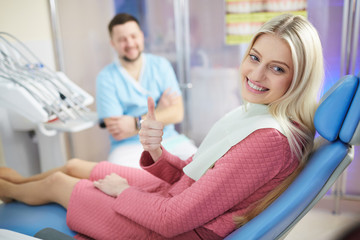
{"x":253,"y":86}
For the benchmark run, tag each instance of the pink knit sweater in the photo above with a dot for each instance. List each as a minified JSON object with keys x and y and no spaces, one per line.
{"x":163,"y":202}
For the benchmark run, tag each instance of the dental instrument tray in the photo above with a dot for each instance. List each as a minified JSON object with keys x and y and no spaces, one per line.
{"x":42,"y":96}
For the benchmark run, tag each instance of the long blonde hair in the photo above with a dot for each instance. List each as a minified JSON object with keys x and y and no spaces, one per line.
{"x":296,"y":108}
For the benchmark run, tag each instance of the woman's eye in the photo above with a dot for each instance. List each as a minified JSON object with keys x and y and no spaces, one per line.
{"x":278,"y":69}
{"x":254,"y":58}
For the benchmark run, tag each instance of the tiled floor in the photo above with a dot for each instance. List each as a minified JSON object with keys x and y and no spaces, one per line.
{"x":321,"y":224}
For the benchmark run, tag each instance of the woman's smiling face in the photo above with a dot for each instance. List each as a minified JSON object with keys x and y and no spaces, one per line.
{"x":267,"y":71}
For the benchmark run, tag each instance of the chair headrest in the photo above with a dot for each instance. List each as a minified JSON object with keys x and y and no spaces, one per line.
{"x":338,"y":114}
{"x":350,"y":131}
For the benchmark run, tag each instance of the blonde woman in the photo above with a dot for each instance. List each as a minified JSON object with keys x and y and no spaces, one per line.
{"x":245,"y":161}
{"x":296,"y":108}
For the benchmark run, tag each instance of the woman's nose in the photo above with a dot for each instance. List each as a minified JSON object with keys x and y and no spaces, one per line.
{"x":258,"y":73}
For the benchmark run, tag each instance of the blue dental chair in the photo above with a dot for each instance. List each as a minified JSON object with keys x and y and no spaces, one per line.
{"x":336,"y":120}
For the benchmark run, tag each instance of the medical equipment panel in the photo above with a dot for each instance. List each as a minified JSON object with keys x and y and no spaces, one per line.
{"x":40,"y":101}
{"x":39,"y":94}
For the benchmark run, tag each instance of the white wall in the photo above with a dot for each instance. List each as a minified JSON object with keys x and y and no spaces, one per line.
{"x":2,"y":158}
{"x":86,"y":50}
{"x":29,"y":21}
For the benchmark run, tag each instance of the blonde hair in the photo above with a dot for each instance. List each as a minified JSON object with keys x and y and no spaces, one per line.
{"x":296,"y":108}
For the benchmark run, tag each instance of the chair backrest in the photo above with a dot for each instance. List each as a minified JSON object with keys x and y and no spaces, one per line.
{"x":337,"y":121}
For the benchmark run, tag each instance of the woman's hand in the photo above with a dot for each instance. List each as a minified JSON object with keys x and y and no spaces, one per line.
{"x":112,"y":184}
{"x":151,"y":132}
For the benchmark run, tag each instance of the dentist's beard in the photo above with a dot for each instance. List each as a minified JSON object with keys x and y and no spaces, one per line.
{"x":125,"y":58}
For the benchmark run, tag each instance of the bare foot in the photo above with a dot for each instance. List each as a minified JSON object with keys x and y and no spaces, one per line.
{"x":5,"y":200}
{"x":10,"y":175}
{"x":4,"y":186}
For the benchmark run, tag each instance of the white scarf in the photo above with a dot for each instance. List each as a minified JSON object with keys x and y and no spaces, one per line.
{"x":227,"y":132}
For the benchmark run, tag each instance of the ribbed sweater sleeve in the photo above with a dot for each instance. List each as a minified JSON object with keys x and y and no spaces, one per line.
{"x":245,"y":168}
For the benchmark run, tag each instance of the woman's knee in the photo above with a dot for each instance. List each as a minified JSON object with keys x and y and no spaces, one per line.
{"x":54,"y":179}
{"x":59,"y":188}
{"x":78,"y":168}
{"x":72,"y":165}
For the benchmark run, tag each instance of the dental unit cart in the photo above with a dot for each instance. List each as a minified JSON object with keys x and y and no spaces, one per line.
{"x":38,"y":101}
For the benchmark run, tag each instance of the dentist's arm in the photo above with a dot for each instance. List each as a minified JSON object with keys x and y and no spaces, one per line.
{"x":170,"y":108}
{"x":151,"y":132}
{"x":121,"y":127}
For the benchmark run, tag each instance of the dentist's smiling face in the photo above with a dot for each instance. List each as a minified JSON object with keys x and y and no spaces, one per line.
{"x":267,"y":70}
{"x":128,"y":40}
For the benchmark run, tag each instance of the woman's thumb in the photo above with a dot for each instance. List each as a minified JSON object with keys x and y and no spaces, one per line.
{"x":151,"y":109}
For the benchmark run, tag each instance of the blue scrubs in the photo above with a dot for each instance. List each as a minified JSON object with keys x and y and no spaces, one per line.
{"x":118,"y":93}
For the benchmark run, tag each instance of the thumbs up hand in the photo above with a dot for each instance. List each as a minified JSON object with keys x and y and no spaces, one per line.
{"x":151,"y":109}
{"x":151,"y":132}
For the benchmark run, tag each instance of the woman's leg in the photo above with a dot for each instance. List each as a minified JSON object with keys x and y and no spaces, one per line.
{"x":56,"y":187}
{"x":74,"y":167}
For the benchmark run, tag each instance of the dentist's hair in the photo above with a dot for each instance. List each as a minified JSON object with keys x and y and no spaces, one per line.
{"x":121,"y":18}
{"x":295,"y":110}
